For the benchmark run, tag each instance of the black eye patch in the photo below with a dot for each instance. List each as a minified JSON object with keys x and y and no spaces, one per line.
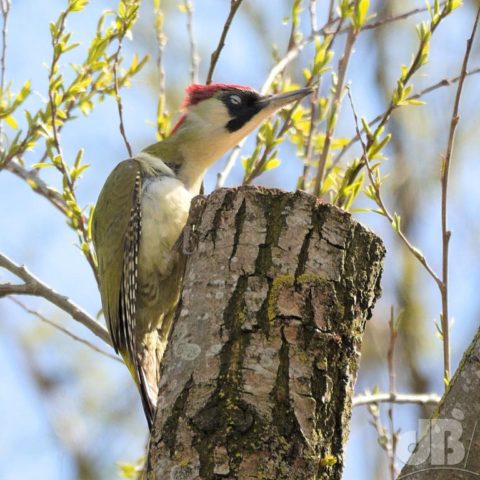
{"x":242,"y":106}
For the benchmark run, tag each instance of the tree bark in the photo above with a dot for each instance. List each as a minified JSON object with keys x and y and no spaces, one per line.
{"x":258,"y":376}
{"x":449,"y":448}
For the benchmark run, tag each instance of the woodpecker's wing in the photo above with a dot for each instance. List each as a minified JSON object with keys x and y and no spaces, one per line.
{"x":115,"y":219}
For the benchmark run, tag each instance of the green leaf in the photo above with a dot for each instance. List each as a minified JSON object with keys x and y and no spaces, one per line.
{"x":272,"y":163}
{"x":57,"y":160}
{"x":11,"y":122}
{"x":78,"y":158}
{"x":360,"y":13}
{"x":86,"y":106}
{"x":40,"y":165}
{"x":70,"y":47}
{"x":23,"y":94}
{"x":77,"y":5}
{"x":415,"y":101}
{"x":396,"y":222}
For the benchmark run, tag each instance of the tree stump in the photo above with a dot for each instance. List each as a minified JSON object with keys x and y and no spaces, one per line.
{"x":258,"y":376}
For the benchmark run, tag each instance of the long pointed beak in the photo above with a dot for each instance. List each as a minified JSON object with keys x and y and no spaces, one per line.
{"x":275,"y":102}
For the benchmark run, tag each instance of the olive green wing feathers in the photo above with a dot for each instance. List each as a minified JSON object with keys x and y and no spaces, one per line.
{"x":116,"y":236}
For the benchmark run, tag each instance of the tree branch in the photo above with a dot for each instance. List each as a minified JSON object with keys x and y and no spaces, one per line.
{"x":32,"y":178}
{"x":194,"y":60}
{"x":34,"y":286}
{"x":234,"y":5}
{"x":5,"y":7}
{"x":446,"y":233}
{"x":398,"y":398}
{"x":118,"y":98}
{"x":336,"y":103}
{"x":44,"y":319}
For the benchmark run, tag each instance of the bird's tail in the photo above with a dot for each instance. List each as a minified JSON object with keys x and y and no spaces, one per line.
{"x":150,"y":354}
{"x":149,"y":397}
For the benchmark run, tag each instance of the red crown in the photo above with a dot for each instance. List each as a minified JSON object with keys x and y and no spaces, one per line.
{"x":196,"y":93}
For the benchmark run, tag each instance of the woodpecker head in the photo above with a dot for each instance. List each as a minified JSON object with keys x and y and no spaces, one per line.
{"x":220,"y":115}
{"x":216,"y":117}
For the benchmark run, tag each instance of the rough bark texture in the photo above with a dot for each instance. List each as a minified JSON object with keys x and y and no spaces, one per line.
{"x":258,"y":376}
{"x":449,"y":449}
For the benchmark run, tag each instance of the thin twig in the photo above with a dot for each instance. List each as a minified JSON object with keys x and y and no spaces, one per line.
{"x":308,"y":152}
{"x":194,"y":59}
{"x":44,"y":319}
{"x":391,"y":388}
{"x":37,"y":288}
{"x":336,"y":103}
{"x":331,"y":11}
{"x":312,"y":8}
{"x":53,"y":106}
{"x":396,"y":18}
{"x":5,"y":6}
{"x":161,"y":42}
{"x":379,"y":199}
{"x":446,"y":233}
{"x":81,"y":226}
{"x":397,"y":398}
{"x":229,"y":164}
{"x":32,"y":178}
{"x":161,"y":39}
{"x":234,"y":4}
{"x":118,"y":98}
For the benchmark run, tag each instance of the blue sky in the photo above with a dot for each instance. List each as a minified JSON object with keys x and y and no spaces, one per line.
{"x":34,"y":234}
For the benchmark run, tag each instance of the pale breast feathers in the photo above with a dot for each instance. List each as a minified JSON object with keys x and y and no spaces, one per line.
{"x":165,"y":206}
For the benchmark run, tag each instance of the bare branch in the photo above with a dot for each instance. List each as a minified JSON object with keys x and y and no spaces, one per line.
{"x":396,"y":18}
{"x":308,"y":153}
{"x":398,"y":398}
{"x":5,"y":7}
{"x":37,"y":288}
{"x":32,"y":178}
{"x":161,"y":39}
{"x":391,"y":387}
{"x":7,"y":289}
{"x":161,"y":42}
{"x":194,"y":59}
{"x":229,"y":164}
{"x":118,"y":98}
{"x":312,"y":8}
{"x":64,"y":330}
{"x":234,"y":4}
{"x":446,"y":233}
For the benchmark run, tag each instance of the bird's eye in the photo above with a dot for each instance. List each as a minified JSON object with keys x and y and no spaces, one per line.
{"x":235,"y":99}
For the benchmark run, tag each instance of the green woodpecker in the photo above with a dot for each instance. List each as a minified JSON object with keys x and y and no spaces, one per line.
{"x":142,"y":210}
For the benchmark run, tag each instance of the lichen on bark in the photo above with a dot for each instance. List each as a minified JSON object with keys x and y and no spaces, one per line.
{"x":276,"y":294}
